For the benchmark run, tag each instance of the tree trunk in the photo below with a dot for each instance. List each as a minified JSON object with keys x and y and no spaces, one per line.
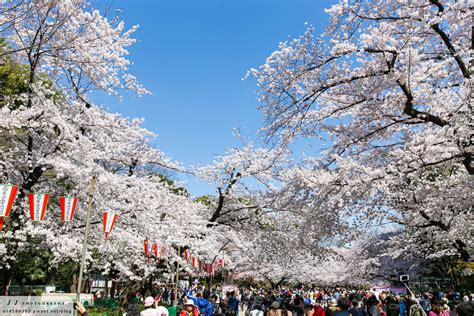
{"x":73,"y":288}
{"x":112,"y":289}
{"x":106,"y":288}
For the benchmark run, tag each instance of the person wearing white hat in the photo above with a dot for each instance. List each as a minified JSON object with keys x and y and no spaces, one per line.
{"x":162,"y":311}
{"x":190,"y":309}
{"x":150,"y":307}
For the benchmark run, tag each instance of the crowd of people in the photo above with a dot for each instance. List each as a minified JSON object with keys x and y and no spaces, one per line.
{"x":320,"y":302}
{"x":201,"y":301}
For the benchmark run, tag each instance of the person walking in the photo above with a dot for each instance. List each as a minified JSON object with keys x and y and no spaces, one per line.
{"x":318,"y":309}
{"x":393,"y":308}
{"x":149,"y":307}
{"x":232,"y":305}
{"x":342,"y":307}
{"x":357,"y":309}
{"x":298,"y":306}
{"x":425,"y":303}
{"x":402,"y":305}
{"x":274,"y":309}
{"x":190,"y":309}
{"x":372,"y":308}
{"x":415,"y":308}
{"x":437,"y":309}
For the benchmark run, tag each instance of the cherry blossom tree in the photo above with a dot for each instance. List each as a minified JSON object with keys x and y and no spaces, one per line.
{"x":54,"y":139}
{"x":73,"y":43}
{"x":275,"y":253}
{"x":388,"y":84}
{"x":267,"y":227}
{"x":241,"y":176}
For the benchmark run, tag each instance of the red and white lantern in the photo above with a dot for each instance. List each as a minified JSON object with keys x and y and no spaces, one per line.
{"x":68,"y":206}
{"x":145,"y":244}
{"x":7,"y":196}
{"x":155,"y":249}
{"x":186,"y":255}
{"x":38,"y":204}
{"x":109,"y":222}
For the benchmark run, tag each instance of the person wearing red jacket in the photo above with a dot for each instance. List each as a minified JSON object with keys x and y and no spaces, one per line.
{"x":189,"y":309}
{"x":318,"y":309}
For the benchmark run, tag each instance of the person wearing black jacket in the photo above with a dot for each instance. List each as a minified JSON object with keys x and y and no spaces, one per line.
{"x":392,"y":306}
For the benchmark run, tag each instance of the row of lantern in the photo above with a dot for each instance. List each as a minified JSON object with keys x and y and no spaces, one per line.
{"x":38,"y":203}
{"x":195,"y":261}
{"x":156,"y":250}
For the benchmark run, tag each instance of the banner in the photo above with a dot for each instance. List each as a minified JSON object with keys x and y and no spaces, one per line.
{"x":229,"y":288}
{"x":388,"y":288}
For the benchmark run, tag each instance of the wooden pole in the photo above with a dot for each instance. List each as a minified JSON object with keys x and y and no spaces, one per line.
{"x":177,"y":279}
{"x":86,"y":235}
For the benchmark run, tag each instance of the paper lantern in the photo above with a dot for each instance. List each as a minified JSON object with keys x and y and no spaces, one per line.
{"x":109,"y":222}
{"x":38,"y":204}
{"x":145,"y":244}
{"x":155,"y":249}
{"x":68,"y":206}
{"x":7,"y":196}
{"x":186,"y":255}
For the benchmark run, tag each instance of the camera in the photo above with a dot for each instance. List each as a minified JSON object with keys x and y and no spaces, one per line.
{"x":404,"y":278}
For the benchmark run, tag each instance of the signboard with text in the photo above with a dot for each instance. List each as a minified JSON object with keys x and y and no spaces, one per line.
{"x":391,"y":289}
{"x":36,"y":305}
{"x":229,"y":288}
{"x":86,"y":299}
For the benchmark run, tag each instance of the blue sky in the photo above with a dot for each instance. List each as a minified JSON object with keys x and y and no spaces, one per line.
{"x":192,"y":56}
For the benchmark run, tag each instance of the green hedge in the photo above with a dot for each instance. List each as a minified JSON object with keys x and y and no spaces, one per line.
{"x":107,"y":308}
{"x":104,"y":311}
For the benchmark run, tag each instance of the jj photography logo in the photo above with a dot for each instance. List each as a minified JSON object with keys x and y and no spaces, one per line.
{"x":31,"y":305}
